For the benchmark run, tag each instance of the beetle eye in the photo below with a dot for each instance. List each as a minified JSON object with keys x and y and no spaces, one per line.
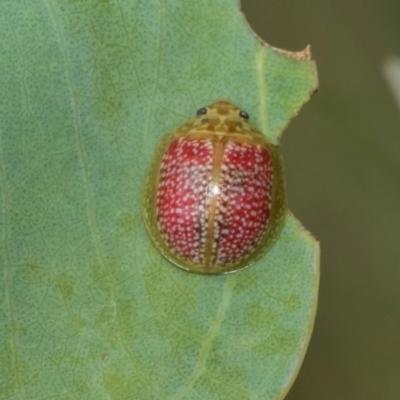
{"x":244,"y":115}
{"x":202,"y":111}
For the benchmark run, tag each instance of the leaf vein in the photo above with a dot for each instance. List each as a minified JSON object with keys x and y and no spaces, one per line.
{"x":209,"y":338}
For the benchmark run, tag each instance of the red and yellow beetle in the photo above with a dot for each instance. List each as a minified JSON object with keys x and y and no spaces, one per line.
{"x":214,"y":199}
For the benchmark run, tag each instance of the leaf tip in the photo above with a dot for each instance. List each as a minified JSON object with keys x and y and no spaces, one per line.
{"x":391,"y":71}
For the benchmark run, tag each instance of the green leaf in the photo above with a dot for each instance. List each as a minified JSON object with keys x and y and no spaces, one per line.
{"x":88,"y":308}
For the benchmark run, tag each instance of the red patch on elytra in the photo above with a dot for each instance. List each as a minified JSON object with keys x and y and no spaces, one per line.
{"x":183,"y":198}
{"x":242,"y":206}
{"x":244,"y":202}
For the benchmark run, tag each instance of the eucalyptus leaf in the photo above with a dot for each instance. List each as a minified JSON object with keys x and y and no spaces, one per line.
{"x":88,"y":308}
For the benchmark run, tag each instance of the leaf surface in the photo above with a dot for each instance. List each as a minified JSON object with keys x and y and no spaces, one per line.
{"x":88,"y":308}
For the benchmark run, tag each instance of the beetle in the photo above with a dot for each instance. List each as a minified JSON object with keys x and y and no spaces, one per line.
{"x":214,"y":199}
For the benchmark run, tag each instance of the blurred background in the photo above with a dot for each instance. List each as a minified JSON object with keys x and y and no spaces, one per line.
{"x":342,"y":158}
